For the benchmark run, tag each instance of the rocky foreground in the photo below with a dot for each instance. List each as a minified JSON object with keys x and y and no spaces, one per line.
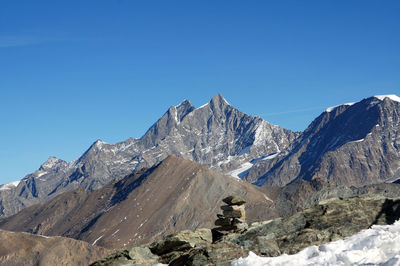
{"x":326,"y":221}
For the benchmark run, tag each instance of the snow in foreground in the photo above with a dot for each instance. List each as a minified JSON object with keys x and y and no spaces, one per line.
{"x":379,"y":245}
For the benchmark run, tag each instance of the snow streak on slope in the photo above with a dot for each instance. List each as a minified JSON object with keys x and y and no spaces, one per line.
{"x":330,"y":109}
{"x":244,"y":168}
{"x":379,"y":245}
{"x":9,"y":185}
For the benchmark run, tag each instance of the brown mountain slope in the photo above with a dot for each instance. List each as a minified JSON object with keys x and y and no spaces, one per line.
{"x":175,"y":195}
{"x":18,"y":248}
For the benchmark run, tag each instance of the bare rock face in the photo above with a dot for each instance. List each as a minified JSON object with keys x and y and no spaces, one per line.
{"x":357,"y":144}
{"x":216,"y":135}
{"x":18,"y":248}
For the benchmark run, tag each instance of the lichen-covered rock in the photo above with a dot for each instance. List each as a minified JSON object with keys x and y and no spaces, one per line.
{"x":120,"y":258}
{"x":142,"y":255}
{"x":181,"y":241}
{"x":220,"y":254}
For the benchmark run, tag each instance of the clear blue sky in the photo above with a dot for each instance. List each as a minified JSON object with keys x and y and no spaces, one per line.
{"x":72,"y":72}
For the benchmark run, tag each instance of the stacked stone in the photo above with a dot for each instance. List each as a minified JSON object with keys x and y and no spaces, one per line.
{"x":233,"y":217}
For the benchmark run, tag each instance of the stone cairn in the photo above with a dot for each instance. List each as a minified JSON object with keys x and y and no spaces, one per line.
{"x":232,"y":219}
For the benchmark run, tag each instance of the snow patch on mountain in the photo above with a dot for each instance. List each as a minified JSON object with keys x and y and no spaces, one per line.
{"x":330,"y":109}
{"x":9,"y":185}
{"x":40,"y":173}
{"x":204,"y":105}
{"x":379,"y":245}
{"x":244,"y":168}
{"x":392,"y":97}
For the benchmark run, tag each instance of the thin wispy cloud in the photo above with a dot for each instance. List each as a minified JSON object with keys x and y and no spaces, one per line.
{"x":25,"y":40}
{"x":293,"y":111}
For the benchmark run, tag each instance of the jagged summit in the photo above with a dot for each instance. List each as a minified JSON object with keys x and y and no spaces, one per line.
{"x":50,"y":163}
{"x":219,"y":100}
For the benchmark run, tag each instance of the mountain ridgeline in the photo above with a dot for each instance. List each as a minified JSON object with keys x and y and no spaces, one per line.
{"x":351,"y":144}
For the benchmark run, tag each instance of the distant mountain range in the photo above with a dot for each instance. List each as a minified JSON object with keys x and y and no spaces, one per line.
{"x":351,"y":144}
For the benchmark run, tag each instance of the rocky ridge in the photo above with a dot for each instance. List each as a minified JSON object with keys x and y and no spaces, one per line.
{"x":351,"y":144}
{"x":326,"y":221}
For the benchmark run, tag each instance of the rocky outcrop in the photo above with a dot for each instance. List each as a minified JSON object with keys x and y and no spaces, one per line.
{"x":326,"y":221}
{"x":18,"y":248}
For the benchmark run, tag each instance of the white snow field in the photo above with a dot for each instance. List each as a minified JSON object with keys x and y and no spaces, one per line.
{"x":379,"y":245}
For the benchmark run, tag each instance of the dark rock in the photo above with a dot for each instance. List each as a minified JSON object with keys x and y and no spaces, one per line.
{"x":234,"y":200}
{"x":234,"y":214}
{"x":237,"y":221}
{"x":223,"y":221}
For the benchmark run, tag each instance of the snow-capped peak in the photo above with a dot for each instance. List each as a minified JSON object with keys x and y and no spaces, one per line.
{"x":330,"y":109}
{"x":219,"y":98}
{"x":99,"y":142}
{"x":392,"y":97}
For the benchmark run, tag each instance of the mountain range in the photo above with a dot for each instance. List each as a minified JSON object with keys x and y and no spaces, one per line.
{"x":350,"y":144}
{"x":216,"y":135}
{"x":137,"y":191}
